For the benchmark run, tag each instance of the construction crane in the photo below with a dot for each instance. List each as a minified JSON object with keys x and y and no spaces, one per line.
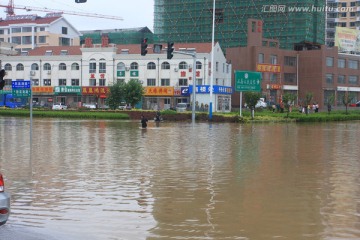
{"x":10,"y":11}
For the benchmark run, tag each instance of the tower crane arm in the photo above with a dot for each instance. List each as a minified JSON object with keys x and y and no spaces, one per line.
{"x":95,"y":15}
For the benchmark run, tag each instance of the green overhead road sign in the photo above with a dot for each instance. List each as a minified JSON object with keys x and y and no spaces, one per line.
{"x":21,"y":93}
{"x":246,"y":81}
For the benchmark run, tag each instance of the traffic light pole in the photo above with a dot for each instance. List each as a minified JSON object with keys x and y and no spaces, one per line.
{"x":193,"y":54}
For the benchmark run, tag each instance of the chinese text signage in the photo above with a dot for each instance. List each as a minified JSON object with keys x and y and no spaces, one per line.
{"x":247,"y":81}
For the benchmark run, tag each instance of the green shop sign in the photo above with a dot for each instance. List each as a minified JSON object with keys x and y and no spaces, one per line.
{"x":134,"y":73}
{"x":68,"y":89}
{"x":120,"y":73}
{"x":247,"y":81}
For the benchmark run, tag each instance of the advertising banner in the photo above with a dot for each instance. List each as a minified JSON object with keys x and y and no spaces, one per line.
{"x":347,"y":40}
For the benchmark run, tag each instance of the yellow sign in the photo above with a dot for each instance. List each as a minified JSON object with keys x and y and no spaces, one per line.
{"x":159,"y":91}
{"x":273,"y":68}
{"x":42,"y":89}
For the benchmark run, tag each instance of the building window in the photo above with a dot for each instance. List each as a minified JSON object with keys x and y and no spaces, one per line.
{"x":42,"y":39}
{"x":273,"y":59}
{"x":353,"y":79}
{"x":26,"y":40}
{"x":62,"y":66}
{"x":198,"y":65}
{"x":102,"y":66}
{"x":261,"y":58}
{"x":34,"y":67}
{"x":75,"y":66}
{"x":219,"y":15}
{"x":92,"y":66}
{"x":151,"y":82}
{"x":341,"y":79}
{"x":64,"y":41}
{"x":41,"y":29}
{"x":329,"y":61}
{"x":329,"y":78}
{"x":75,"y":82}
{"x":47,"y":82}
{"x":134,"y":66}
{"x":16,"y":30}
{"x":26,"y":29}
{"x":290,"y":78}
{"x":92,"y":82}
{"x":64,"y":30}
{"x":183,"y":65}
{"x":183,"y":82}
{"x":151,"y":66}
{"x":341,"y":63}
{"x":8,"y":67}
{"x":353,"y":64}
{"x":16,"y":40}
{"x":47,"y":66}
{"x":199,"y":81}
{"x":165,"y":82}
{"x":273,"y":77}
{"x":165,"y":65}
{"x":343,"y":24}
{"x":120,"y":66}
{"x":217,"y":66}
{"x":102,"y":82}
{"x":62,"y":82}
{"x":289,"y":61}
{"x":20,"y":67}
{"x":35,"y":82}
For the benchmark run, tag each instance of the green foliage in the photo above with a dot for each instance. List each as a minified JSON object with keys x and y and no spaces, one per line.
{"x":115,"y":96}
{"x":308,"y":98}
{"x":347,"y":98}
{"x":168,"y":112}
{"x":251,"y":98}
{"x":133,"y":92}
{"x":288,"y":100}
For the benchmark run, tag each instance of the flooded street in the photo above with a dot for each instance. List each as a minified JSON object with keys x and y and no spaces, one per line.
{"x":98,"y":180}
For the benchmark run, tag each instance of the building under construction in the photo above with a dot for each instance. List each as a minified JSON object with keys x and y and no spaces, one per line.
{"x":289,"y":21}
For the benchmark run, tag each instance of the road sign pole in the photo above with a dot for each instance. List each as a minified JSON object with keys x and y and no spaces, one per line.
{"x":31,"y":117}
{"x":240,"y":104}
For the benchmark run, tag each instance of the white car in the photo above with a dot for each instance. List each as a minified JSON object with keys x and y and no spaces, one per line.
{"x":261,"y":104}
{"x":91,"y":106}
{"x":59,"y":106}
{"x":4,"y":202}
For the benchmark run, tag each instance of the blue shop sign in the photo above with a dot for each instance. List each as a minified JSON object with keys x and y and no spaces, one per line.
{"x":217,"y":89}
{"x":185,"y":91}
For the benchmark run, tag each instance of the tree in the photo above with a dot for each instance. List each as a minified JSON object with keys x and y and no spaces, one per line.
{"x":115,"y":96}
{"x":251,"y":98}
{"x":288,"y":100}
{"x":347,"y":99}
{"x":133,"y":92}
{"x":307,"y":101}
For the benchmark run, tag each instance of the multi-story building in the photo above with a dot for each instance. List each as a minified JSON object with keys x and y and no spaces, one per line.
{"x":31,"y":31}
{"x":288,"y":21}
{"x":319,"y":70}
{"x":74,"y":75}
{"x":341,"y":13}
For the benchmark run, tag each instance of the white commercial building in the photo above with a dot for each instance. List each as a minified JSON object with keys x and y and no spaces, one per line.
{"x":74,"y":75}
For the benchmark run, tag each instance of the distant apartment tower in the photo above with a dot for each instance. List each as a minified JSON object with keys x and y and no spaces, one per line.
{"x":342,"y":13}
{"x":31,"y":31}
{"x":284,"y":20}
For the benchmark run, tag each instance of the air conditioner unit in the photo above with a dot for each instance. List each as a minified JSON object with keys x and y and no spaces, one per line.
{"x":127,"y":68}
{"x":32,"y":73}
{"x":49,"y":72}
{"x":176,"y":69}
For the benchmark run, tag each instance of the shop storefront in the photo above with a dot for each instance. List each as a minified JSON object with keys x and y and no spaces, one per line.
{"x":158,"y":98}
{"x":67,"y":95}
{"x":94,"y":95}
{"x":43,"y":96}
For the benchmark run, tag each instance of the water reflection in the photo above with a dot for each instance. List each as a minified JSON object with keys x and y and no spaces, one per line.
{"x":112,"y":180}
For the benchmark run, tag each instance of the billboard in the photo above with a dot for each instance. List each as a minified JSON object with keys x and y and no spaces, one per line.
{"x":347,"y":39}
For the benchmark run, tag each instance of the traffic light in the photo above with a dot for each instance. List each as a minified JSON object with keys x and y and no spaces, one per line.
{"x":170,"y":50}
{"x":80,"y":1}
{"x":144,"y":46}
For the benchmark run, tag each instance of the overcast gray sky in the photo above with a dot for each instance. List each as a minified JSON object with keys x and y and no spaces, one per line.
{"x":136,"y":13}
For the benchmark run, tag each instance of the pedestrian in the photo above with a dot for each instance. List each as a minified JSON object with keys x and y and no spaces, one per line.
{"x":143,"y":121}
{"x":158,"y":117}
{"x":2,"y":81}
